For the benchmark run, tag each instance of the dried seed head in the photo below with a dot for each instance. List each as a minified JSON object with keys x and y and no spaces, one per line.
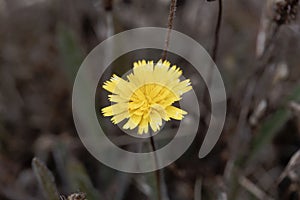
{"x":285,"y":11}
{"x":75,"y":196}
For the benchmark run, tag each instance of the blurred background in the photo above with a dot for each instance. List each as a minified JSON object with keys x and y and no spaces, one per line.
{"x":43,"y":43}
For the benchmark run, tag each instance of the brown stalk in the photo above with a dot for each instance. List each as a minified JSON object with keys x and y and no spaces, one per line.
{"x":170,"y":27}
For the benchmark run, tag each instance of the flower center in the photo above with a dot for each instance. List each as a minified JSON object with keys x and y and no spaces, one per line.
{"x":150,"y":97}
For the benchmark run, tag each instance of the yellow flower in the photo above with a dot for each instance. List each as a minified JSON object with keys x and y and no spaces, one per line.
{"x":146,"y":97}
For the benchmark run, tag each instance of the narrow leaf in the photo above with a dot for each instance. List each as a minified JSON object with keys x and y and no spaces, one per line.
{"x":80,"y":180}
{"x":70,"y":50}
{"x":45,"y":179}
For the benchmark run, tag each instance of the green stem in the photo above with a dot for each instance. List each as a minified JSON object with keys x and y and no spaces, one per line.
{"x":157,"y":172}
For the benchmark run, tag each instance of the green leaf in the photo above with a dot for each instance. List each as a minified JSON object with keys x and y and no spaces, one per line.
{"x":273,"y":124}
{"x":45,"y":179}
{"x":80,"y":180}
{"x":70,"y":49}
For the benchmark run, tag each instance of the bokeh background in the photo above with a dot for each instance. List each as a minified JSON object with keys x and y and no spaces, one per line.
{"x":42,"y":44}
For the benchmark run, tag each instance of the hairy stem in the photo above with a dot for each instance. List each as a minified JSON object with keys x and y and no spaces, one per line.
{"x":170,"y":27}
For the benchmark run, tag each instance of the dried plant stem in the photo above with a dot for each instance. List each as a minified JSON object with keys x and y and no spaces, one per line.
{"x":108,"y":5}
{"x":251,"y":86}
{"x":254,"y":189}
{"x":215,"y":45}
{"x":170,"y":27}
{"x":264,"y":58}
{"x":217,"y":31}
{"x":157,"y":172}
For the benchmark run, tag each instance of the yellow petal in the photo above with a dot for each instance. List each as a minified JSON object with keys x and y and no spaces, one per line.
{"x":116,"y":98}
{"x":143,"y":126}
{"x":133,"y":122}
{"x":183,"y":87}
{"x":161,"y":111}
{"x":112,"y":83}
{"x":114,"y":109}
{"x":155,"y":120}
{"x":175,"y":113}
{"x":120,"y":117}
{"x":135,"y":104}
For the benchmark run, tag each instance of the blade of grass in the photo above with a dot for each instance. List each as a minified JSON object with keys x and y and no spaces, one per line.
{"x":272,"y":125}
{"x":198,"y":189}
{"x":45,"y":179}
{"x":70,"y":49}
{"x":80,"y":180}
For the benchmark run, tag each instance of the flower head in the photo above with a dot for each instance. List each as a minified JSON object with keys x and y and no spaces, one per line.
{"x":146,"y":97}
